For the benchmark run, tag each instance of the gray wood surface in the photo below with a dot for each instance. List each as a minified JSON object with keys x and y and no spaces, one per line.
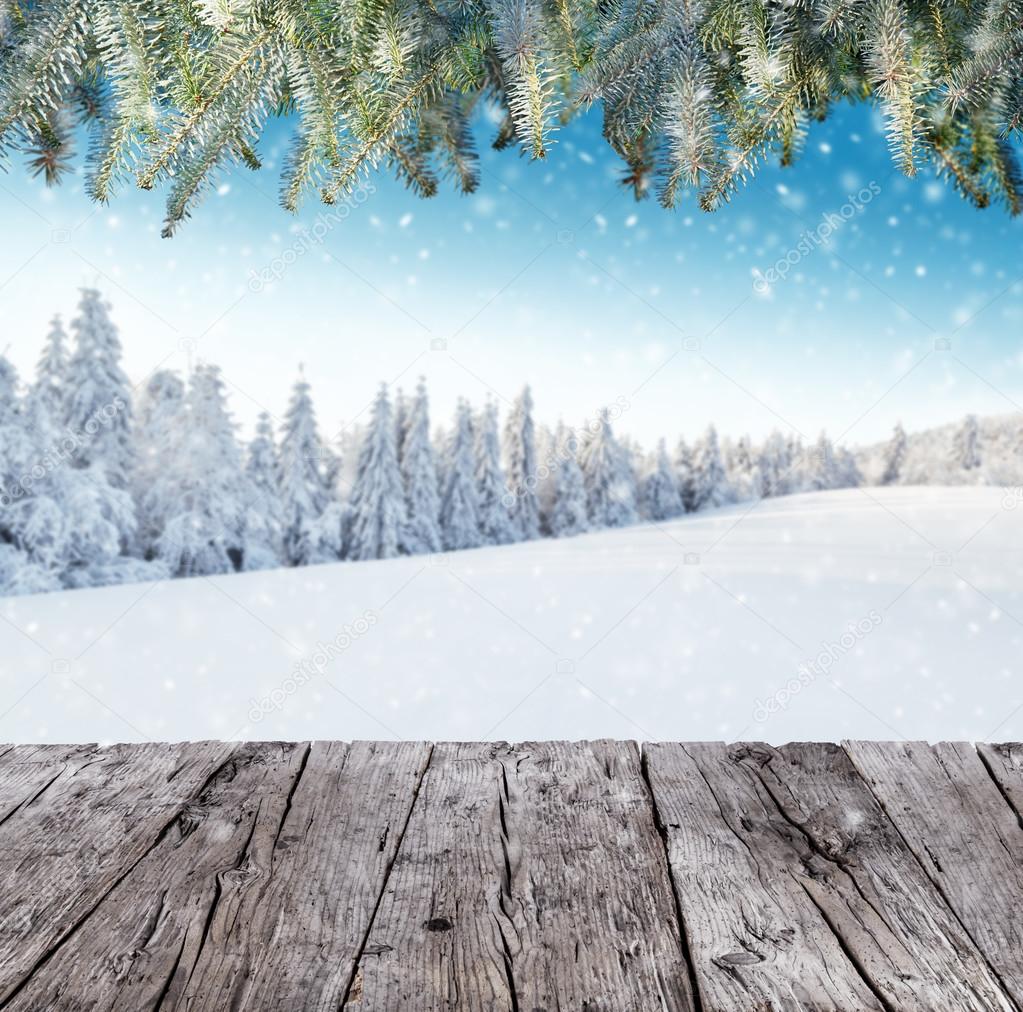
{"x":26,"y":770}
{"x":869,"y":886}
{"x":1005,"y":764}
{"x":531,"y":877}
{"x":288,"y":938}
{"x":65,"y":849}
{"x":756,"y":938}
{"x":138,"y":948}
{"x":951,"y":813}
{"x":590,"y":876}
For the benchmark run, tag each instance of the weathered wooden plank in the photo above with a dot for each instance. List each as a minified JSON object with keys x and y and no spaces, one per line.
{"x":139,"y":945}
{"x":599,"y":924}
{"x":438,"y":938}
{"x":1005,"y":764}
{"x":26,"y":770}
{"x":756,"y":938}
{"x":969,"y":841}
{"x":68,"y":848}
{"x":288,"y":938}
{"x":530,"y":877}
{"x":869,"y":886}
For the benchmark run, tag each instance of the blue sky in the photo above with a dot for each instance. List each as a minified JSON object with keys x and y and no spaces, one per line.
{"x":551,"y":274}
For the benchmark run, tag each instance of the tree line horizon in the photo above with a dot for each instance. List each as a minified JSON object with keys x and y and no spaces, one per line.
{"x":101,"y":485}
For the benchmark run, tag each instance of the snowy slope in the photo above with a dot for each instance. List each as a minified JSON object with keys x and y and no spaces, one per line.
{"x":683,"y":631}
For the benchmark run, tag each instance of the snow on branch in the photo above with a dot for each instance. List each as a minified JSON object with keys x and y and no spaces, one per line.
{"x":102,"y":484}
{"x":695,"y":94}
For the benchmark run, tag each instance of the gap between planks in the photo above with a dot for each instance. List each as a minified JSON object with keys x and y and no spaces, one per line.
{"x":985,"y":783}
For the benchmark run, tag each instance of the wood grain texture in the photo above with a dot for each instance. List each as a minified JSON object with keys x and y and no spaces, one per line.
{"x":289,"y":938}
{"x":1005,"y":764}
{"x":67,"y":848}
{"x":449,"y":869}
{"x":537,"y":877}
{"x":139,"y":947}
{"x":26,"y":771}
{"x":951,"y":813}
{"x":530,"y":877}
{"x":868,"y":884}
{"x":757,"y":939}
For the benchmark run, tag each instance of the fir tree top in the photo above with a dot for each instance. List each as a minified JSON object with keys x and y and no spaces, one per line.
{"x":695,"y":95}
{"x":51,"y":370}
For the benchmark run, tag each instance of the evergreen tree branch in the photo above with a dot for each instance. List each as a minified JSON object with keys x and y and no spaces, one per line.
{"x":380,"y":136}
{"x":695,"y":93}
{"x":191,"y":122}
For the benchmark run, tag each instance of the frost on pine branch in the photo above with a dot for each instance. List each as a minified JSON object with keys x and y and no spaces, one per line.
{"x":696,"y":94}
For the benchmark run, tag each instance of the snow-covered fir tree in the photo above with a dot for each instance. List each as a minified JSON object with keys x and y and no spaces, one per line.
{"x":710,"y":482}
{"x":660,"y":494}
{"x":201,"y":496}
{"x":568,"y":514}
{"x":966,"y":447}
{"x":71,"y":525}
{"x":546,"y":475}
{"x":633,"y":459}
{"x":17,"y":448}
{"x":821,"y":473}
{"x":51,"y":373}
{"x":610,"y":493}
{"x":98,"y":520}
{"x":331,"y":468}
{"x":98,"y":407}
{"x":402,"y":421}
{"x":847,"y":472}
{"x":378,"y":515}
{"x":795,"y":454}
{"x":894,"y":456}
{"x":745,"y":473}
{"x":493,"y":496}
{"x":419,"y":473}
{"x":261,"y":469}
{"x":304,"y":493}
{"x":20,"y":571}
{"x":156,"y":435}
{"x":521,"y":467}
{"x":685,"y":475}
{"x":776,"y":465}
{"x":196,"y":501}
{"x":460,"y":519}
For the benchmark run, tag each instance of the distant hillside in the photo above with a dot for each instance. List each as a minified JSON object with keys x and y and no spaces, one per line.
{"x":930,"y":455}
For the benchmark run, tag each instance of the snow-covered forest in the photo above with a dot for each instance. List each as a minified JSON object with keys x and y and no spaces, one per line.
{"x":104,"y":483}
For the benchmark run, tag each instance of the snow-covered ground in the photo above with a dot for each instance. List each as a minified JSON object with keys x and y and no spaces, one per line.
{"x":731,"y":624}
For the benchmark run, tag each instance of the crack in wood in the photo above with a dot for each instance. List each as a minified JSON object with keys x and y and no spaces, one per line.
{"x":347,"y":995}
{"x":681,"y":878}
{"x":35,"y":797}
{"x":662,"y":832}
{"x":909,"y":824}
{"x":165,"y":990}
{"x":76,"y":926}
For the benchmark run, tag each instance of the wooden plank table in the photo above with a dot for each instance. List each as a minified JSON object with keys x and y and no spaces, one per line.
{"x":541,"y":876}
